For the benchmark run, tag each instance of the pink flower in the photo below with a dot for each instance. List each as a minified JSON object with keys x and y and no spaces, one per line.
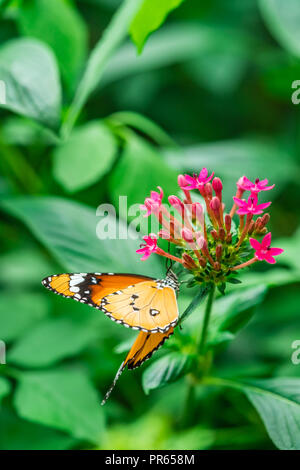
{"x":152,"y":204}
{"x":250,"y":206}
{"x":196,"y":182}
{"x":149,"y":247}
{"x":263,"y":251}
{"x":257,"y":186}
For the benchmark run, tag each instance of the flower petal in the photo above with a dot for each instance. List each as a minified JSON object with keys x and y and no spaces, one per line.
{"x":266,"y":241}
{"x":264,"y":205}
{"x":269,"y":259}
{"x":275,"y":251}
{"x":255,"y":244}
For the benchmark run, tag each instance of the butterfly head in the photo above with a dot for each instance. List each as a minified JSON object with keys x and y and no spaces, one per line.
{"x":172,"y":279}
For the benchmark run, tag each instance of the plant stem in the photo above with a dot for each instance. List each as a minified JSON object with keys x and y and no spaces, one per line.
{"x":207,"y":314}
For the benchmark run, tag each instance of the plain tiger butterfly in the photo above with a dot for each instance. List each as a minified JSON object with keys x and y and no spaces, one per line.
{"x":137,"y":302}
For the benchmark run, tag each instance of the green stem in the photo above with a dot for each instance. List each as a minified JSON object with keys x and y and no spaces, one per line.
{"x":207,"y":314}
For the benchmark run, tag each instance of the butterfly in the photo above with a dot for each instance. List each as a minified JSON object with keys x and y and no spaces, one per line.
{"x":138,"y":302}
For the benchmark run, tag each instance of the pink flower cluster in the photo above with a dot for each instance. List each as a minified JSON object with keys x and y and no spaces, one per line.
{"x":203,"y":234}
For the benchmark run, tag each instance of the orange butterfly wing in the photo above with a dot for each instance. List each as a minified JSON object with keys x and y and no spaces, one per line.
{"x":90,"y":288}
{"x":150,"y":306}
{"x":142,"y":349}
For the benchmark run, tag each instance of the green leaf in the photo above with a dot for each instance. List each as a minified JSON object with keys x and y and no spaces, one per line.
{"x":29,"y":71}
{"x":171,"y":45}
{"x":4,"y":388}
{"x":283,"y":19}
{"x":54,"y":340}
{"x":145,"y":125}
{"x":166,"y":370}
{"x":29,"y":264}
{"x":150,"y":17}
{"x":140,"y":162}
{"x":28,"y":309}
{"x":111,"y":39}
{"x":278,"y":403}
{"x":59,"y":25}
{"x":68,"y":230}
{"x":62,"y":399}
{"x":18,"y":434}
{"x":232,"y":312}
{"x":85,"y":157}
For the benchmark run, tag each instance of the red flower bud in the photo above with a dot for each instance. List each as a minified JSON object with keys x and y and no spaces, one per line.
{"x":215,"y":204}
{"x":187,"y":235}
{"x":228,"y":221}
{"x":217,"y":185}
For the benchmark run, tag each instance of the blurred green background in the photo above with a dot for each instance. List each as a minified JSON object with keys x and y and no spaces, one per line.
{"x":212,"y":87}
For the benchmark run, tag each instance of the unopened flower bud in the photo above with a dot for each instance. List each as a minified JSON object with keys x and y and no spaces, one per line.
{"x":215,"y":204}
{"x":219,"y":251}
{"x":258,"y":224}
{"x":182,"y":181}
{"x":217,"y":185}
{"x":222,"y":233}
{"x":265,"y":219}
{"x":251,"y":227}
{"x":188,"y":260}
{"x":208,"y":190}
{"x":202,"y":262}
{"x":187,"y":235}
{"x":217,"y":266}
{"x":197,"y":212}
{"x":229,"y":238}
{"x":214,"y":234}
{"x":176,"y":202}
{"x":228,"y":221}
{"x":202,"y":243}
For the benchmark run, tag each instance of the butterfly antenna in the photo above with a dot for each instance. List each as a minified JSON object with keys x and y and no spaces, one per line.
{"x":113,"y":384}
{"x":169,"y":262}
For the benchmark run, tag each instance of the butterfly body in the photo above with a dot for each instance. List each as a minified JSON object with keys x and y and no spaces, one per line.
{"x":137,"y":302}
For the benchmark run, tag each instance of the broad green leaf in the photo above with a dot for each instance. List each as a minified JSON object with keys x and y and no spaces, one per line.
{"x":69,"y":231}
{"x":58,"y":24}
{"x":19,"y":131}
{"x":140,"y":163}
{"x":283,"y":19}
{"x":278,"y":403}
{"x":62,"y":399}
{"x":18,"y":434}
{"x":54,"y":340}
{"x":232,"y":312}
{"x":29,"y":264}
{"x":150,"y":17}
{"x":28,"y":309}
{"x":165,"y":370}
{"x":29,"y":71}
{"x":109,"y":42}
{"x":171,"y":45}
{"x":145,"y":125}
{"x":4,"y":388}
{"x":85,"y":157}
